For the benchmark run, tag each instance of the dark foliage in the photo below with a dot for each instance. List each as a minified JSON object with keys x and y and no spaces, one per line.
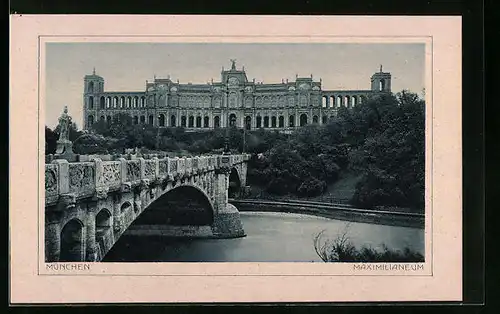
{"x":341,"y":249}
{"x":392,"y":156}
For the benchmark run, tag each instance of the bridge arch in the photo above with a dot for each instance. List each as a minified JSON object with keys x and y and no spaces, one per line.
{"x":125,"y":206}
{"x":72,"y":241}
{"x":235,"y":183}
{"x":103,"y":223}
{"x":184,"y":204}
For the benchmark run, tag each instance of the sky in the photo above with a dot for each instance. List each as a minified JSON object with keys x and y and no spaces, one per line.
{"x":127,"y":66}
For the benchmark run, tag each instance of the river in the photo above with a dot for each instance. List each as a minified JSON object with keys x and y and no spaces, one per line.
{"x":271,"y":237}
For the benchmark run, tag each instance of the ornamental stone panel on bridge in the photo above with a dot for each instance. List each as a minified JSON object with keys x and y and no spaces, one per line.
{"x":89,"y":205}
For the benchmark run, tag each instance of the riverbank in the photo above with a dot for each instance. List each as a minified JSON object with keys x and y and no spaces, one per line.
{"x":333,"y":211}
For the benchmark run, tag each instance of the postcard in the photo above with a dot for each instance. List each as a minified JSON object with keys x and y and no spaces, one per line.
{"x":235,"y":159}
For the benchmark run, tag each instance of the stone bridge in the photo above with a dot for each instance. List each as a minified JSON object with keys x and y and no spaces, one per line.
{"x":89,"y":205}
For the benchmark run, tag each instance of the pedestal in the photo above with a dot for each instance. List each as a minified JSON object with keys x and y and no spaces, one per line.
{"x":64,"y":150}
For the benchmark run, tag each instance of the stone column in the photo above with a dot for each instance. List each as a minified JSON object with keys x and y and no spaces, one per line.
{"x":63,"y":180}
{"x":221,"y":186}
{"x":227,"y":223}
{"x":52,"y":235}
{"x":91,"y":254}
{"x":297,"y":118}
{"x":117,"y":218}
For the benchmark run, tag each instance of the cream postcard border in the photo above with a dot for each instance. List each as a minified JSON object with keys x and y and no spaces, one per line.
{"x":440,"y":278}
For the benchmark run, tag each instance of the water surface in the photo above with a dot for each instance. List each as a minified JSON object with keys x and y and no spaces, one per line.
{"x":271,"y":237}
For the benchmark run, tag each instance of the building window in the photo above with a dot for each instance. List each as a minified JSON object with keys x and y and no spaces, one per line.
{"x":266,"y":121}
{"x":102,"y":102}
{"x":129,"y":101}
{"x":324,"y":103}
{"x":259,"y":121}
{"x":198,"y":122}
{"x":206,"y":121}
{"x":136,"y":120}
{"x":191,"y":122}
{"x":115,"y":102}
{"x":248,"y":122}
{"x":315,"y":119}
{"x":233,"y":100}
{"x":183,"y":121}
{"x":91,"y":102}
{"x":122,"y":102}
{"x":108,"y":102}
{"x":108,"y":119}
{"x":332,"y":101}
{"x":143,"y":102}
{"x":303,"y":119}
{"x":291,"y":121}
{"x":324,"y":120}
{"x":281,"y":122}
{"x":172,"y":120}
{"x":216,"y":122}
{"x":91,"y":87}
{"x":150,"y":119}
{"x":161,"y":120}
{"x":232,"y":120}
{"x":143,"y":119}
{"x":273,"y":122}
{"x":90,"y":121}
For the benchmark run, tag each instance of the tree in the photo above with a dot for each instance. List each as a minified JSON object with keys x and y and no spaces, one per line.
{"x":51,"y":138}
{"x":88,"y":144}
{"x":392,"y":157}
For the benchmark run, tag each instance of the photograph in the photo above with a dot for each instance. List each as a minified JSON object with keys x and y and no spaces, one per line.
{"x":234,"y":152}
{"x":206,"y":159}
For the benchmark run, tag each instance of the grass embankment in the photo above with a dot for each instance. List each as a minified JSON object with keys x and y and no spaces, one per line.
{"x":339,"y":192}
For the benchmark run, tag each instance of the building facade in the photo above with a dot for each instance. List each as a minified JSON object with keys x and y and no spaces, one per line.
{"x":234,"y":101}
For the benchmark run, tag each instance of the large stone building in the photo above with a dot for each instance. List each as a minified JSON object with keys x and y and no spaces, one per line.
{"x":234,"y":101}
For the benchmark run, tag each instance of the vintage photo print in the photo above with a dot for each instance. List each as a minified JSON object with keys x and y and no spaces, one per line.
{"x":318,"y":154}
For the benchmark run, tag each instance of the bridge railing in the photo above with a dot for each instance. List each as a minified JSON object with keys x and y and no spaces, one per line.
{"x":85,"y":178}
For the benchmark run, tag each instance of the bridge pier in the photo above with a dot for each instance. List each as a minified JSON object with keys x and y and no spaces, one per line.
{"x":91,"y":243}
{"x":227,"y":223}
{"x":52,"y":236}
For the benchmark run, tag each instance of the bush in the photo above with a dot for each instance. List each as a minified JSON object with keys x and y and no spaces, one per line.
{"x":341,"y":249}
{"x":311,"y":187}
{"x":88,"y":144}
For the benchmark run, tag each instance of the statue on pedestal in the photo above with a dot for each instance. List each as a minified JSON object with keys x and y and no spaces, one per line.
{"x":64,"y":148}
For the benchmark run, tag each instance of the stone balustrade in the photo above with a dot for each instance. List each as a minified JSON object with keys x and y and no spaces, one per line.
{"x":84,"y":179}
